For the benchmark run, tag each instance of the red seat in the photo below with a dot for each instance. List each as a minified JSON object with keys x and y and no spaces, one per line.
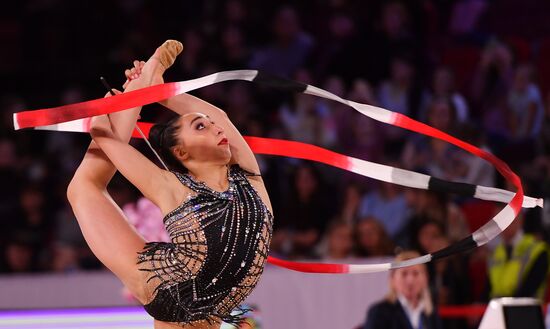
{"x":478,"y":213}
{"x":463,"y":60}
{"x":520,"y":47}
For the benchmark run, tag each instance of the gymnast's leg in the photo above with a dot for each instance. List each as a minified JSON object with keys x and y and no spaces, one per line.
{"x":113,"y":241}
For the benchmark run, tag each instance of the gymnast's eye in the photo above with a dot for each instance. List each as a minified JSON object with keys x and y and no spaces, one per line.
{"x":200,"y":126}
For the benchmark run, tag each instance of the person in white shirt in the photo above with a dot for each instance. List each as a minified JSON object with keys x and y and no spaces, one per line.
{"x":408,"y":305}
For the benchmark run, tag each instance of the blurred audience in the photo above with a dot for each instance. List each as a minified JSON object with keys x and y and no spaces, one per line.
{"x":439,"y":62}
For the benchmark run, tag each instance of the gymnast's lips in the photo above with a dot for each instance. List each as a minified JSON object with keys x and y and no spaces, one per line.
{"x":223,"y":141}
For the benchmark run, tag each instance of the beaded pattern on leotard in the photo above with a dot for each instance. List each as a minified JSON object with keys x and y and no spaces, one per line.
{"x":219,"y":246}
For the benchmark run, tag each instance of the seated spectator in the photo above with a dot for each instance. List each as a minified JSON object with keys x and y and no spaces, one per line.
{"x":19,"y":255}
{"x":307,"y":211}
{"x":393,"y":94}
{"x":443,"y":87}
{"x":311,"y":119}
{"x":339,"y":240}
{"x":397,"y":94}
{"x":432,"y":206}
{"x":290,"y":48}
{"x":434,"y":156}
{"x":490,"y":87}
{"x":472,"y":169}
{"x":519,"y":264}
{"x":428,"y":233}
{"x":525,"y":104}
{"x":525,"y":116}
{"x":408,"y":304}
{"x":387,"y":204}
{"x":65,"y":258}
{"x":349,"y":205}
{"x":371,"y":240}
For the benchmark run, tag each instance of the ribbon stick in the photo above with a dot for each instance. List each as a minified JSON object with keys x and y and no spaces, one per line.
{"x":73,"y":117}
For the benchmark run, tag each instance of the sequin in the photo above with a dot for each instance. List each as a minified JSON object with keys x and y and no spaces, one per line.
{"x":211,"y":265}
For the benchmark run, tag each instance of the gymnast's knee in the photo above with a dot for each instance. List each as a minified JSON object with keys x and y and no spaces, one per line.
{"x":79,"y":187}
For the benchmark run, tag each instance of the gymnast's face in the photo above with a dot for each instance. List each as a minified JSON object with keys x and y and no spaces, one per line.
{"x":201,"y":139}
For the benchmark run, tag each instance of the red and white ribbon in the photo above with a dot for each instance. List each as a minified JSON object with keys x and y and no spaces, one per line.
{"x":75,"y":117}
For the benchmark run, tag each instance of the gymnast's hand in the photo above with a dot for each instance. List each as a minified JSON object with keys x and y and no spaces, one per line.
{"x":133,"y":73}
{"x":101,"y":124}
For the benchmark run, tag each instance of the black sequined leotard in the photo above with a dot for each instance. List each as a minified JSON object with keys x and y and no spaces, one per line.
{"x":219,"y":246}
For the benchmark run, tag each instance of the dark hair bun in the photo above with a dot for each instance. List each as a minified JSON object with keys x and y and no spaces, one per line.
{"x":156,"y":135}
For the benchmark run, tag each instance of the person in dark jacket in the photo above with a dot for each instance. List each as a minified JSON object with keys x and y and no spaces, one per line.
{"x":408,"y":305}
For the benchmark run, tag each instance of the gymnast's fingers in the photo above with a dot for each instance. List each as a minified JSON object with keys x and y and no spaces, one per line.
{"x":128,"y":74}
{"x":137,"y":67}
{"x":135,"y":75}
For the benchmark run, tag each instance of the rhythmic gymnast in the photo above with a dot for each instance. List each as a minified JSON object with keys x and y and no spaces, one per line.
{"x":215,"y":205}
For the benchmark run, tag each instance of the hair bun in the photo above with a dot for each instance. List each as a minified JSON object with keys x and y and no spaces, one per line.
{"x":156,"y":135}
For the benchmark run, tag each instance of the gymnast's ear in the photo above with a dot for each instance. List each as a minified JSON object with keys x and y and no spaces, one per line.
{"x":180,"y":153}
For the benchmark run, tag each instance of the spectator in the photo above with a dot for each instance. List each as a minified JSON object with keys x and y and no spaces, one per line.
{"x":525,"y":118}
{"x":290,"y":48}
{"x":350,"y":204}
{"x":526,"y":105}
{"x":399,"y":94}
{"x":371,"y":239}
{"x":394,"y":34}
{"x":35,"y":218}
{"x":394,"y":93}
{"x":307,"y":211}
{"x":365,"y":138}
{"x":490,"y":86}
{"x":387,"y":204}
{"x":443,"y":87}
{"x":428,"y":235}
{"x":64,"y":258}
{"x":409,"y":303}
{"x":470,"y":168}
{"x":519,"y":264}
{"x":338,"y":240}
{"x":9,"y":216}
{"x":310,"y":119}
{"x":449,"y":281}
{"x":433,"y":206}
{"x":235,"y":52}
{"x":19,"y":254}
{"x":434,"y":156}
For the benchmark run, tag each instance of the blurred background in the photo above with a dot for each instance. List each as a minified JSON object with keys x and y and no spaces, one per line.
{"x":477,"y":69}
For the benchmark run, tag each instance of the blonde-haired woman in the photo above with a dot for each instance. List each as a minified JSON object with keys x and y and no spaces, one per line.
{"x":408,"y":305}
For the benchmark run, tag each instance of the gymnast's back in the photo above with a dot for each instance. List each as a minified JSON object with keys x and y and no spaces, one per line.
{"x":219,"y":246}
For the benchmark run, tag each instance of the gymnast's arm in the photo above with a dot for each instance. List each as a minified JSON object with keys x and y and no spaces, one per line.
{"x":158,"y":185}
{"x":240,"y":151}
